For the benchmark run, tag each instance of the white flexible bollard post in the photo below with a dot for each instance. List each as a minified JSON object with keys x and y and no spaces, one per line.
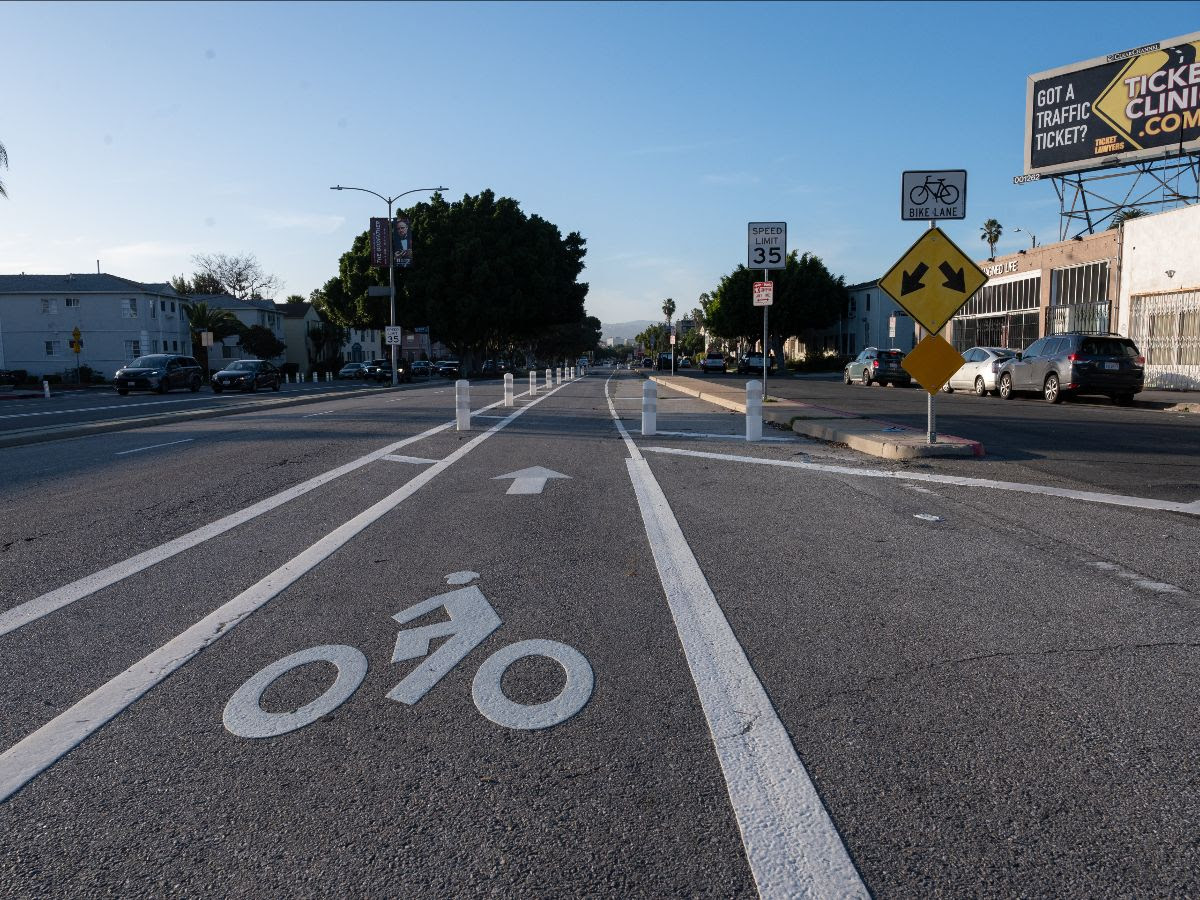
{"x":533,"y":382}
{"x":314,"y":377}
{"x":329,"y":376}
{"x":46,"y":389}
{"x":462,"y":404}
{"x":754,"y":410}
{"x":508,"y":389}
{"x":549,"y":379}
{"x":558,"y":375}
{"x":649,"y":408}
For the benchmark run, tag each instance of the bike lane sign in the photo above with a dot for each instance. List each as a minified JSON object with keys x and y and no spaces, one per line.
{"x":928,"y":194}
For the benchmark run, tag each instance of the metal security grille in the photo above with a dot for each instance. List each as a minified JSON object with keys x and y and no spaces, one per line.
{"x":1013,"y":330}
{"x":1077,"y":317}
{"x":1166,"y":328}
{"x":1008,"y":296}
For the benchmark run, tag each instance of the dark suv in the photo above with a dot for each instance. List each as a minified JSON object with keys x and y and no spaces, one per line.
{"x":1075,"y":363}
{"x":158,"y":372}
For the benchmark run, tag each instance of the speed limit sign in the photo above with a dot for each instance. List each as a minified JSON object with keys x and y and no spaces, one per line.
{"x":766,"y":245}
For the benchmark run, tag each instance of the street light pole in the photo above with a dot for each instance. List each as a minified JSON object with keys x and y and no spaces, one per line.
{"x":1032,"y":237}
{"x":391,"y":261}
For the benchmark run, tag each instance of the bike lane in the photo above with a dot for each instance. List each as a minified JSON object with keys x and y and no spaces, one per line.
{"x":380,"y":796}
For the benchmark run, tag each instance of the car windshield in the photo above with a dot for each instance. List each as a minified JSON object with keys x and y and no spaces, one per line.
{"x":149,"y":362}
{"x":1002,"y":352}
{"x":242,"y":365}
{"x":715,"y":356}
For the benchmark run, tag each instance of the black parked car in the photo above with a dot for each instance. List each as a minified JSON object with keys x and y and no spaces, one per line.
{"x":381,"y":370}
{"x":158,"y":372}
{"x":1059,"y":365}
{"x":247,"y":375}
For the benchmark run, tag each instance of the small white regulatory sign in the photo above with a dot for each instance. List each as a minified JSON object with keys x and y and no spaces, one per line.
{"x":392,"y":334}
{"x":927,"y":194}
{"x":766,"y":245}
{"x":764,"y":293}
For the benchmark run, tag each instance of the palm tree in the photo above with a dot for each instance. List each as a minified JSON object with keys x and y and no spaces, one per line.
{"x":221,"y":322}
{"x":1124,"y":214}
{"x":991,"y":232}
{"x":3,"y":165}
{"x":668,"y":309}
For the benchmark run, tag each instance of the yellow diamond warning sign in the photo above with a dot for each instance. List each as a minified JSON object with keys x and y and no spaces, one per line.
{"x":932,"y":362}
{"x":933,"y":280}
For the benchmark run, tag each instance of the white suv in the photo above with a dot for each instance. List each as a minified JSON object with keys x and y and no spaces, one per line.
{"x":713,"y":362}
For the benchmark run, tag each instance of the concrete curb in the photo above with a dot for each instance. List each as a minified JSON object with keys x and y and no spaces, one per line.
{"x":871,"y":436}
{"x":64,"y":432}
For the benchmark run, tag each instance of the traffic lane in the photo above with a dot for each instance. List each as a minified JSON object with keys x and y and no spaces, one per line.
{"x":1106,"y":448}
{"x":75,"y":507}
{"x":982,"y":716}
{"x":96,"y":406}
{"x":622,"y":798}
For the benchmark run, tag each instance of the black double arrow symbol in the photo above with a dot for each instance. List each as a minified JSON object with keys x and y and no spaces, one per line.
{"x":955,"y":279}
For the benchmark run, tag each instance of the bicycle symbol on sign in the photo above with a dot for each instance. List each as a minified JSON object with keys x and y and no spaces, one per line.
{"x":471,"y":621}
{"x":946,"y":194}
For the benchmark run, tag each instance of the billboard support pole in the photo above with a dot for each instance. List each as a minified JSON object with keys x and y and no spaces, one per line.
{"x":392,"y":293}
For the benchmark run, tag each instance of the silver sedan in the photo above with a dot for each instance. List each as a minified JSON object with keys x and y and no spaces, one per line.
{"x":979,"y":372}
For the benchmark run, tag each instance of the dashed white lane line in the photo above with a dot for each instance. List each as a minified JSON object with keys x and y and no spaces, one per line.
{"x":35,"y":753}
{"x":959,"y":480}
{"x":154,"y":447}
{"x":396,"y":457}
{"x":328,"y":412}
{"x":792,"y":845}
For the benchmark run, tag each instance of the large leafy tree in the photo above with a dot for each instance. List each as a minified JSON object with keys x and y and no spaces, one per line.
{"x":808,"y":297}
{"x":199,"y":283}
{"x":485,"y":278}
{"x":261,"y":342}
{"x":990,"y":233}
{"x":202,"y":317}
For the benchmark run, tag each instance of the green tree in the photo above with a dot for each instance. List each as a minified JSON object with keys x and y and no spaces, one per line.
{"x":200,"y":283}
{"x":3,"y":165}
{"x":260,"y":342}
{"x":990,"y":232}
{"x":1124,"y":214}
{"x":201,"y":317}
{"x":485,"y":278}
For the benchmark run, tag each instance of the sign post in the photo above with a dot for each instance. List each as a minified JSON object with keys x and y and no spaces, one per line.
{"x":766,"y":249}
{"x":931,"y":282}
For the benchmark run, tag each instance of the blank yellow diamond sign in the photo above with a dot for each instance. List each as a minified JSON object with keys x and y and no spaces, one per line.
{"x":933,"y":280}
{"x":932,"y":362}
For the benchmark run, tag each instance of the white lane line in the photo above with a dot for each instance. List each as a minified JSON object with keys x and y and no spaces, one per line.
{"x":328,"y":412}
{"x":473,"y":416}
{"x":961,"y":481}
{"x":725,"y":437}
{"x":154,"y":447}
{"x":35,"y":753}
{"x":116,"y":407}
{"x":34,"y":609}
{"x":792,"y":845}
{"x":396,"y":457}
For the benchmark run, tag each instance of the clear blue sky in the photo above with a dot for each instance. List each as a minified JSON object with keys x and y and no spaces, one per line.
{"x":140,"y":134}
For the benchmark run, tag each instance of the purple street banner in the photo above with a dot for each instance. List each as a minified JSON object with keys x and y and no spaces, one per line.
{"x":379,"y":242}
{"x":402,"y":242}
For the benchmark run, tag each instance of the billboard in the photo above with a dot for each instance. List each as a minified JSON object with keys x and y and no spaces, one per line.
{"x":1137,"y":104}
{"x":402,"y":242}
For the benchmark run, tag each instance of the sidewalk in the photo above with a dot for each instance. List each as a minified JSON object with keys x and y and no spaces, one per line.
{"x":872,"y":436}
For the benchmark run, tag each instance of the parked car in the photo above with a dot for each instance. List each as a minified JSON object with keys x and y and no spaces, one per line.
{"x":247,"y":375}
{"x":980,"y":372}
{"x":421,"y":368}
{"x":876,"y":366}
{"x":684,"y":362}
{"x":749,"y":363}
{"x":1073,"y":363}
{"x":353,"y":370}
{"x":448,"y":368}
{"x":158,"y":372}
{"x":381,"y":370}
{"x":713,"y":362}
{"x":664,"y":362}
{"x":647,"y":362}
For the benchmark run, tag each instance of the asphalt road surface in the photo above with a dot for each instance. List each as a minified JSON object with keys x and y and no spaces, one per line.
{"x":344,"y":649}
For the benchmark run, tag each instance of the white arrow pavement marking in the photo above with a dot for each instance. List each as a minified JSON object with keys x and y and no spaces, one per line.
{"x":529,"y":481}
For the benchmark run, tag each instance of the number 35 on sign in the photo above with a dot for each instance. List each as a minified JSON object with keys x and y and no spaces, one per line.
{"x":766,"y":245}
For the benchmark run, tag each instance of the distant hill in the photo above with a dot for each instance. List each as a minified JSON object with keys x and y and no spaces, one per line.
{"x":625,"y":329}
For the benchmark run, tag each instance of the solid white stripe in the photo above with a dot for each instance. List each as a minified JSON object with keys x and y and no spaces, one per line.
{"x":792,"y":845}
{"x":396,"y":457}
{"x":154,"y":447}
{"x":38,"y":751}
{"x":962,"y":481}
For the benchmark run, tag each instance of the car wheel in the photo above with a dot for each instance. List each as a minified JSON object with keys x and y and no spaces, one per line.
{"x":275,"y":385}
{"x":946,"y":389}
{"x":1050,"y":390}
{"x":1006,"y":388}
{"x":980,"y":387}
{"x":866,"y":378}
{"x":123,"y":393}
{"x":253,"y":386}
{"x":163,"y":385}
{"x":217,"y":388}
{"x":194,"y":385}
{"x":1123,"y":399}
{"x":846,"y":376}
